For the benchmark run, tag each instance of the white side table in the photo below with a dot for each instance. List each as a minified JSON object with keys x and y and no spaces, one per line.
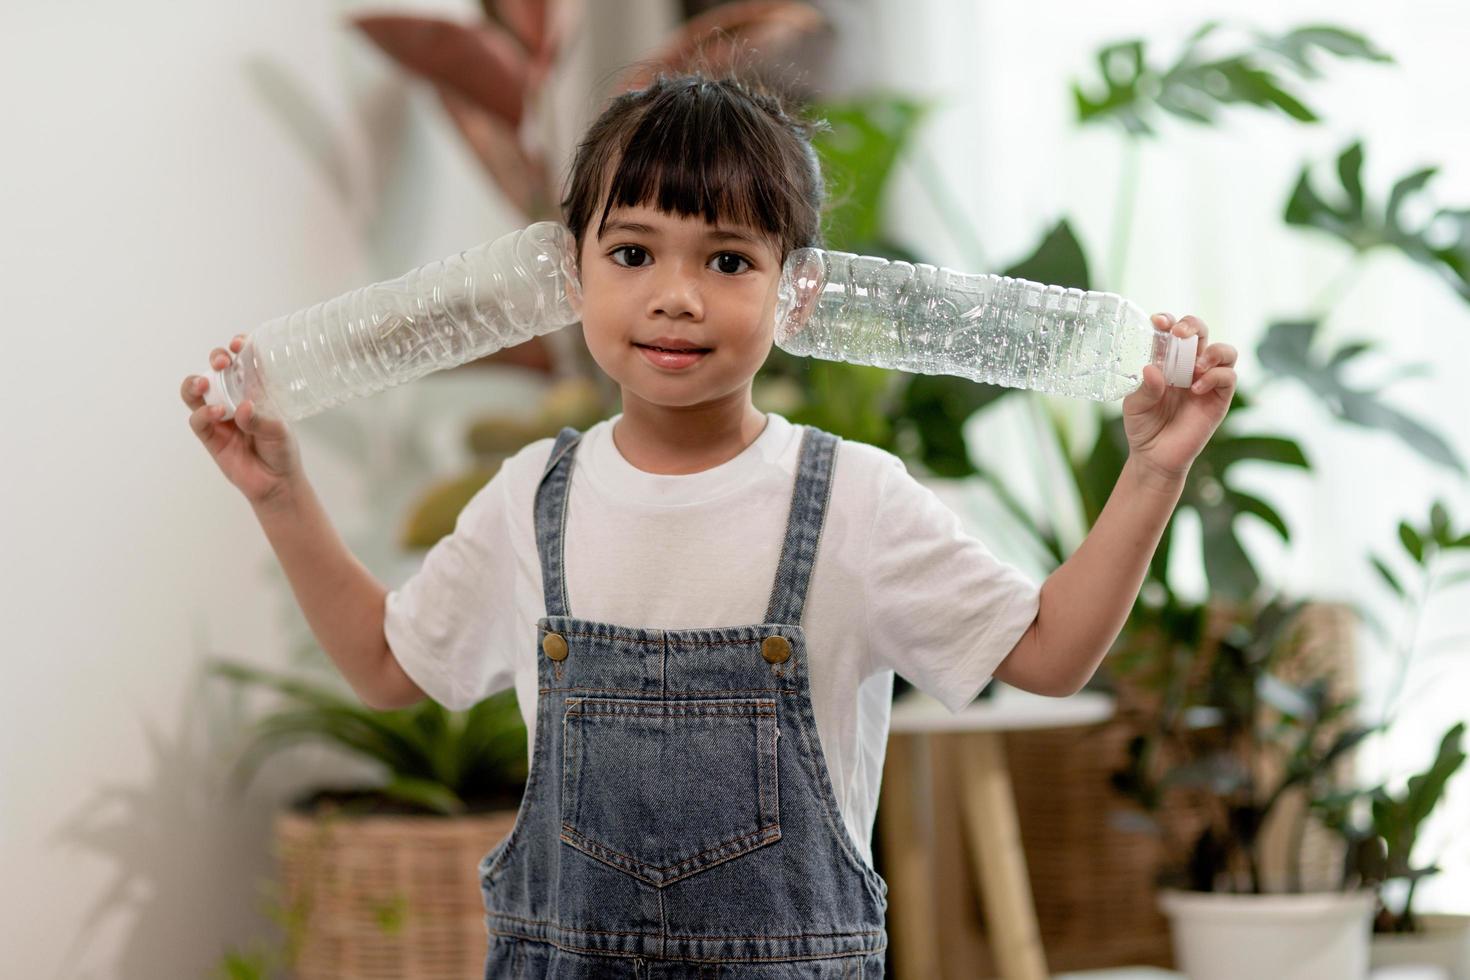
{"x":989,"y":818}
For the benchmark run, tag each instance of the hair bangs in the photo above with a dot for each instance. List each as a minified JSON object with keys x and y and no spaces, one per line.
{"x":697,"y":147}
{"x":693,"y":159}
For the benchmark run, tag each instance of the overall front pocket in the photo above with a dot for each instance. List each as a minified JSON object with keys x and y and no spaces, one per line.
{"x":665,"y":789}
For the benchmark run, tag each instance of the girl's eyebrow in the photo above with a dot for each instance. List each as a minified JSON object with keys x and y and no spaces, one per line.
{"x":715,"y":235}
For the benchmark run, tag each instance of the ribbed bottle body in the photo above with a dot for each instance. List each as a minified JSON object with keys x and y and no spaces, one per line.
{"x":438,"y":316}
{"x":932,"y":320}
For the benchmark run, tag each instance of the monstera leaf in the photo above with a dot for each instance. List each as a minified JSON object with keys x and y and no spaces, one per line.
{"x":1355,"y":223}
{"x":1207,"y":491}
{"x":1193,"y":88}
{"x":1286,"y":351}
{"x":858,"y":153}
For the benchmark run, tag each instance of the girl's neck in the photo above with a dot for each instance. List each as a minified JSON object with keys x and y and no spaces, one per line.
{"x":678,"y":441}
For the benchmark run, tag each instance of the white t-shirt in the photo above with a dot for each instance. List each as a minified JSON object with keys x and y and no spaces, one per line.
{"x":898,"y":585}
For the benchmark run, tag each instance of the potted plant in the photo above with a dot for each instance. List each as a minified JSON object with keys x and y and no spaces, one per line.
{"x":1379,"y":851}
{"x":1380,"y":827}
{"x":386,"y":873}
{"x":1240,"y":740}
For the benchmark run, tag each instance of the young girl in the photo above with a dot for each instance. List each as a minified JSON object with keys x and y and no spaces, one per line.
{"x":702,"y":606}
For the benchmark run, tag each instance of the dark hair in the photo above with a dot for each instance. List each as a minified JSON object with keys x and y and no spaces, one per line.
{"x":726,"y":148}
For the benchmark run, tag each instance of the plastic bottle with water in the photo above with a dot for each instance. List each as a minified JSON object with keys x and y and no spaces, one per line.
{"x":1013,"y":332}
{"x":441,"y":315}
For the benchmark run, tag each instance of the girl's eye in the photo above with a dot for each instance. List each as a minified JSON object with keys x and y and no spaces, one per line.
{"x":629,"y":248}
{"x":729,"y":263}
{"x":723,"y":257}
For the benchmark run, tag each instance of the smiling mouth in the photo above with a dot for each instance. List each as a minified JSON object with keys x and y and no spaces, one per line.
{"x":681,"y":350}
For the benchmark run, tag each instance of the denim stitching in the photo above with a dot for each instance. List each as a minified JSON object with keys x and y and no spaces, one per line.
{"x":754,"y":641}
{"x":698,"y":959}
{"x":651,"y":935}
{"x":693,"y":711}
{"x":788,"y":692}
{"x":583,"y":842}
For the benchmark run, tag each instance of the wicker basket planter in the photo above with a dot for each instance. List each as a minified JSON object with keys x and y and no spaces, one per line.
{"x":387,"y":895}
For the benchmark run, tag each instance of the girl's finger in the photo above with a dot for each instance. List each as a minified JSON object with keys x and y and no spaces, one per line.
{"x":1162,"y":321}
{"x":1222,"y":354}
{"x":262,"y":426}
{"x":1191,"y":324}
{"x":202,"y":420}
{"x":1215,"y":377}
{"x":193,"y":390}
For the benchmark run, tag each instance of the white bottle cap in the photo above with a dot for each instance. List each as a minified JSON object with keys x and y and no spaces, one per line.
{"x":1179,"y":360}
{"x":218,"y":394}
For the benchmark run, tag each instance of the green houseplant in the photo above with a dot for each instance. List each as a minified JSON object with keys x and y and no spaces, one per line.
{"x":1166,"y":633}
{"x":1379,"y":850}
{"x":1242,"y":743}
{"x":1381,"y":827}
{"x":1212,"y":725}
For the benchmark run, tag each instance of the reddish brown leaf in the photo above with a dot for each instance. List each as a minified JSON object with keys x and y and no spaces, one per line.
{"x":718,"y":36}
{"x":559,"y":21}
{"x":482,"y":63}
{"x":521,"y":177}
{"x":527,"y":19}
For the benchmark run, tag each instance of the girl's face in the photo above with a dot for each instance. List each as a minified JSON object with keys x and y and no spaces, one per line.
{"x":659,"y":280}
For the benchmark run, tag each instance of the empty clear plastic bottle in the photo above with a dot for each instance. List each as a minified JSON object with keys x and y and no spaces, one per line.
{"x":868,"y":310}
{"x":440,"y":315}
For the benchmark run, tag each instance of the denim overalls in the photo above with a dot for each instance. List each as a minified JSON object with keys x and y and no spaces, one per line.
{"x":678,"y":820}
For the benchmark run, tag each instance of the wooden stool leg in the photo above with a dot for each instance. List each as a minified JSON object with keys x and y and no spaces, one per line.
{"x":1000,"y":863}
{"x":908,"y":859}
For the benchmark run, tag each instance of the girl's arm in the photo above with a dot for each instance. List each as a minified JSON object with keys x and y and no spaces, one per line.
{"x":1085,"y":602}
{"x":343,"y":602}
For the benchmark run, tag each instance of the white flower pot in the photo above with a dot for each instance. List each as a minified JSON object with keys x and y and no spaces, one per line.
{"x":1444,"y":943}
{"x":1284,"y":937}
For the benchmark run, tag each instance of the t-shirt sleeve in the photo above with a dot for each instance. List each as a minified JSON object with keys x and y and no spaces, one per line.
{"x":440,"y":622}
{"x":942,"y":610}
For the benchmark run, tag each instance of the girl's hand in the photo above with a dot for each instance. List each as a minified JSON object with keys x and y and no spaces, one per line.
{"x":258,"y":455}
{"x":1167,"y":427}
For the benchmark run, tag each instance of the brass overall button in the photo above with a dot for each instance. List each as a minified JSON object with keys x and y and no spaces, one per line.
{"x":776,"y":649}
{"x":555,"y":646}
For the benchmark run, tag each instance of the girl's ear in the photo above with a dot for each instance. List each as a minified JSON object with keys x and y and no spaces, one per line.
{"x":574,"y":294}
{"x":574,"y":288}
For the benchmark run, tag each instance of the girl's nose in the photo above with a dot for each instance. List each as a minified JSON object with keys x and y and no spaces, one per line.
{"x":676,"y":294}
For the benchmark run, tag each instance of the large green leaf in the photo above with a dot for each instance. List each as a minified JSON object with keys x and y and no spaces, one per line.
{"x":1398,"y":818}
{"x":1059,"y":260}
{"x":1356,"y":223}
{"x":1194,"y":88}
{"x":1228,"y":568}
{"x":866,"y":138}
{"x":1425,"y":789}
{"x":432,"y":758}
{"x":1285,"y":351}
{"x":850,"y":400}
